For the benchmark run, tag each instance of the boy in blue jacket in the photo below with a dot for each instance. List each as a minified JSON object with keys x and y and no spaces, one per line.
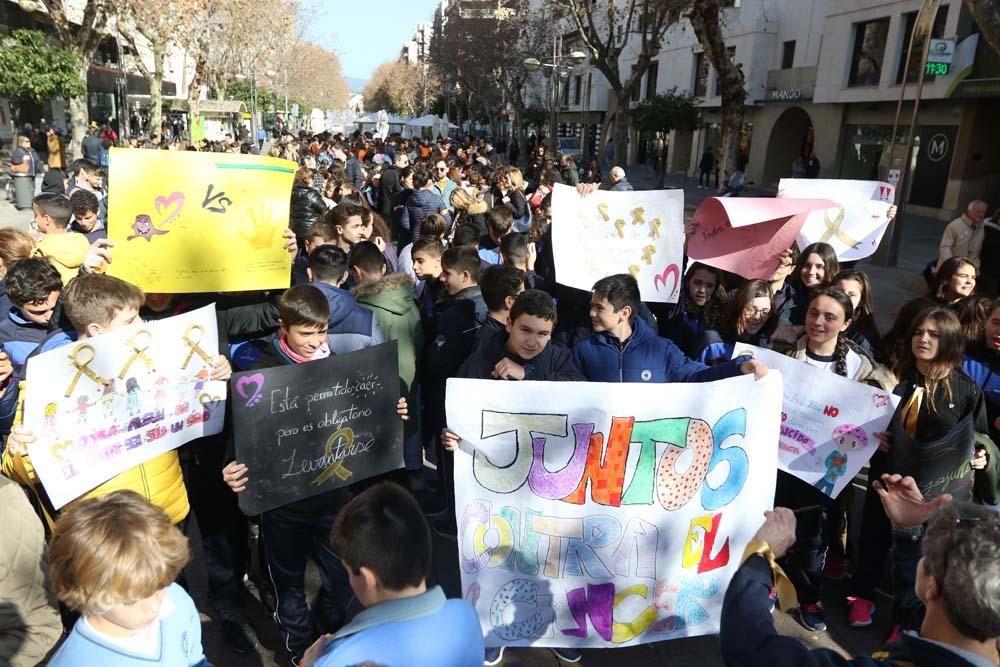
{"x":33,"y":286}
{"x":623,"y":348}
{"x":385,"y":544}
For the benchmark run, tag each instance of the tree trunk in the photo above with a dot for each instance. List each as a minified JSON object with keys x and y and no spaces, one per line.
{"x":156,"y":88}
{"x":79,"y":114}
{"x":621,"y":128}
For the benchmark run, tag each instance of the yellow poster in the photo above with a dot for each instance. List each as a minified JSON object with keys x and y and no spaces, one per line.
{"x":184,"y":221}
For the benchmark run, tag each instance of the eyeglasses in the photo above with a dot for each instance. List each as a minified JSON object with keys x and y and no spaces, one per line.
{"x":750,"y":311}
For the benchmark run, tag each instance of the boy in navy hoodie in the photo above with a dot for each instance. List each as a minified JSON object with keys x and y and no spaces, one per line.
{"x":352,"y":327}
{"x":623,"y":348}
{"x":33,"y":286}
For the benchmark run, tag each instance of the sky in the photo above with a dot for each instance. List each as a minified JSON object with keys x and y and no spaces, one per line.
{"x":366,"y":33}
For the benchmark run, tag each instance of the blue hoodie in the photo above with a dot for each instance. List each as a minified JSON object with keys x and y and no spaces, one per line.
{"x":644,"y":357}
{"x":20,"y":337}
{"x":352,"y":327}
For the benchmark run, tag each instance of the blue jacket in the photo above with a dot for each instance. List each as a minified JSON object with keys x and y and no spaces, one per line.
{"x":352,"y":327}
{"x":983,"y":366}
{"x":420,"y":204}
{"x":644,"y":357}
{"x":424,"y":629}
{"x":20,"y":337}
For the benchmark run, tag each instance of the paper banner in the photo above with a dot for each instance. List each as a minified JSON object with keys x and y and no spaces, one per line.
{"x":605,"y":233}
{"x":828,"y":423}
{"x":308,"y":428}
{"x":106,"y":404}
{"x":615,"y":514}
{"x":184,"y":221}
{"x":854,"y":225}
{"x":746,"y":235}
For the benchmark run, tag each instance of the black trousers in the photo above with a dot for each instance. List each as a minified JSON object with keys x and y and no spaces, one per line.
{"x":290,"y":537}
{"x":876,"y":536}
{"x":804,"y":562}
{"x":223,"y":527}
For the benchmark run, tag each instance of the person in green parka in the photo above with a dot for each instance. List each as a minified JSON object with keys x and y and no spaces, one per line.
{"x":390,"y":298}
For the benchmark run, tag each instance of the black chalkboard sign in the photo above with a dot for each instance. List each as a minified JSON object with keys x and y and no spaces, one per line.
{"x":308,"y":428}
{"x":938,"y":467}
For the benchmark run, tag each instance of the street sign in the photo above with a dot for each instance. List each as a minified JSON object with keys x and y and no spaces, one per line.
{"x":941,"y":51}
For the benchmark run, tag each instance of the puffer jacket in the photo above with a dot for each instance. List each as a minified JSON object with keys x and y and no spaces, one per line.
{"x":352,"y":327}
{"x":306,"y":209}
{"x":644,"y":357}
{"x":29,"y":616}
{"x":391,"y":300}
{"x":421,"y":203}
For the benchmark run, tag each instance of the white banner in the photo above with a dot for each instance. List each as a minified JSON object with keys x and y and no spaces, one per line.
{"x":617,"y":515}
{"x":605,"y":233}
{"x":854,"y":227}
{"x":828,"y":423}
{"x":106,"y":404}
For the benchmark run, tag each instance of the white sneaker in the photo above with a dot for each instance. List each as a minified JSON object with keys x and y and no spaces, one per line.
{"x":568,"y":654}
{"x":493,"y":656}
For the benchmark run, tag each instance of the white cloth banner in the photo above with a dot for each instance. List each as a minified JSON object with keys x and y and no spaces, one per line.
{"x":854,"y":227}
{"x":828,"y":423}
{"x":617,"y":514}
{"x":604,"y":233}
{"x":106,"y":404}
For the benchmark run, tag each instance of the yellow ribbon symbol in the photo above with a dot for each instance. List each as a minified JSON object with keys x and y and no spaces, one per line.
{"x":83,"y":367}
{"x":138,"y":351}
{"x":833,"y":229}
{"x":654,"y":228}
{"x":634,"y":270}
{"x":602,"y":208}
{"x":337,"y":467}
{"x":647,"y":254}
{"x":192,"y":344}
{"x":620,"y":226}
{"x":637,"y":214}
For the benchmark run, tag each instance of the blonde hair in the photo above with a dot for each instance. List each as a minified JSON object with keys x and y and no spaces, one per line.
{"x":14,"y":245}
{"x":516,"y":178}
{"x":114,"y":550}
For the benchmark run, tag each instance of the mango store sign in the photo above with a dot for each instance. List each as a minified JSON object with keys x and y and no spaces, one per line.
{"x":617,"y":516}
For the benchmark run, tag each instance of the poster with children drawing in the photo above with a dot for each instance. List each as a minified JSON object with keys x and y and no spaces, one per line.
{"x":102,"y":405}
{"x":184,"y":221}
{"x":854,"y":225}
{"x":598,"y":515}
{"x":605,"y":233}
{"x":828,"y":423}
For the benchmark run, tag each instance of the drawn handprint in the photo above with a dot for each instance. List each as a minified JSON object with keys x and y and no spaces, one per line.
{"x":263,"y":232}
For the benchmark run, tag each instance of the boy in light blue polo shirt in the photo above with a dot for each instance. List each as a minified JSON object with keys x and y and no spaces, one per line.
{"x":385,"y":544}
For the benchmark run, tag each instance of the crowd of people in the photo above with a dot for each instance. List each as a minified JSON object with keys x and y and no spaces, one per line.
{"x":446,"y":247}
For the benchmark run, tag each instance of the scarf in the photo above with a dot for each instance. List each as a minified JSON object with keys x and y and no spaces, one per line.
{"x":322,"y":352}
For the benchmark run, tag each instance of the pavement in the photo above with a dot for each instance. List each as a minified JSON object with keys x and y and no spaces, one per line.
{"x":892,"y":286}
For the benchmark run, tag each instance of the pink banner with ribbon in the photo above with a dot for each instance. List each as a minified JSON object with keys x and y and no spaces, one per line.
{"x":746,"y":235}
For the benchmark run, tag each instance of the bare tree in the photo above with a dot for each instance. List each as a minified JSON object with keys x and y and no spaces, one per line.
{"x":607,"y":28}
{"x":82,"y":31}
{"x":987,"y":15}
{"x":705,"y":19}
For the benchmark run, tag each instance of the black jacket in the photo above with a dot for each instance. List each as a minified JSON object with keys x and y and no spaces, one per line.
{"x":307,"y":208}
{"x":388,"y":186}
{"x":554,"y":363}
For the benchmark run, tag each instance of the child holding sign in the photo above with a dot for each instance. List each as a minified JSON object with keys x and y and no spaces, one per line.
{"x":301,"y":529}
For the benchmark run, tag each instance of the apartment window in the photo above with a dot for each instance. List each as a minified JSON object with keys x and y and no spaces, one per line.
{"x":651,"y":75}
{"x":577,"y":89}
{"x":869,"y":52}
{"x":788,"y":55}
{"x":565,"y":91}
{"x":700,"y":75}
{"x":937,"y":32}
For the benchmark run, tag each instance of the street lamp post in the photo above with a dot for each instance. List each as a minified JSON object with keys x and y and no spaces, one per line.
{"x":559,"y":70}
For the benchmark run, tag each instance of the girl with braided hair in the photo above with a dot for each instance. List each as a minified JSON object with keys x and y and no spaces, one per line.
{"x":825,"y":343}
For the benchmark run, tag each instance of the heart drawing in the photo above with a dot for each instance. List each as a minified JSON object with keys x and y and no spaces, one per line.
{"x":251,"y":388}
{"x":169,"y":207}
{"x":661,"y":279}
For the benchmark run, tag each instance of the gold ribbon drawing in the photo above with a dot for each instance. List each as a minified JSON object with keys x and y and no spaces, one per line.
{"x":138,"y":351}
{"x":654,"y":228}
{"x":83,"y":367}
{"x":637,"y":214}
{"x":192,"y":344}
{"x":337,"y":467}
{"x":833,"y":229}
{"x":647,"y":254}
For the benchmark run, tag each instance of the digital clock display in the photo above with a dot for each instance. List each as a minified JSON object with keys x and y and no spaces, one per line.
{"x":937,"y":69}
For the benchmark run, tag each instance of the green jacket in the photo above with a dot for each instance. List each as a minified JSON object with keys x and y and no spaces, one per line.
{"x":391,"y":299}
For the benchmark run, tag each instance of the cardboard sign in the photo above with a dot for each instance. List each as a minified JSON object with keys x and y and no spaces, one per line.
{"x":184,"y":221}
{"x":307,"y":428}
{"x":854,"y":225}
{"x":828,"y":423}
{"x":605,"y":233}
{"x":598,"y":515}
{"x":746,"y":235}
{"x":938,"y":467}
{"x":106,"y":404}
